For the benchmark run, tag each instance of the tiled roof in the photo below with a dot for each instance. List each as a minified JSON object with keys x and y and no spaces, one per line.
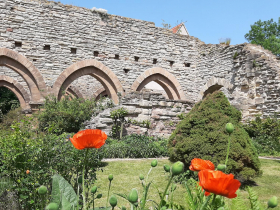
{"x":176,"y":28}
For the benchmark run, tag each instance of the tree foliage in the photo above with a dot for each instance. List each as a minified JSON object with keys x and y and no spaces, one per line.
{"x":266,"y":34}
{"x":202,"y":135}
{"x":8,"y":101}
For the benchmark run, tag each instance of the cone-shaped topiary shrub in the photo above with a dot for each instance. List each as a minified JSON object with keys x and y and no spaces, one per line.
{"x":202,"y":135}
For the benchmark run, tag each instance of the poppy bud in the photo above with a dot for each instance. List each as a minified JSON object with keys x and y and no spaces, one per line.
{"x":99,"y":196}
{"x":93,"y":190}
{"x":272,"y":202}
{"x":177,"y":168}
{"x":27,"y":171}
{"x":80,"y":180}
{"x":133,"y":196}
{"x":123,"y":208}
{"x":166,"y":168}
{"x":229,"y":128}
{"x":221,"y":167}
{"x":173,"y":188}
{"x":42,"y":190}
{"x":154,"y":163}
{"x":141,"y":177}
{"x":113,"y":201}
{"x":110,"y":177}
{"x":52,"y":206}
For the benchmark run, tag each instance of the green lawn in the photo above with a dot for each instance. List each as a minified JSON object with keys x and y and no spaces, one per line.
{"x":126,"y":176}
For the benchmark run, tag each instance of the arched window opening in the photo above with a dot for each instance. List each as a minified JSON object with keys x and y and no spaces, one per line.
{"x":155,"y":87}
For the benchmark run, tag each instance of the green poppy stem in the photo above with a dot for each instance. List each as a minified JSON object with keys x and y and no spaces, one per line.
{"x":108,"y":194}
{"x":227,"y":150}
{"x":83,"y":181}
{"x":162,"y":198}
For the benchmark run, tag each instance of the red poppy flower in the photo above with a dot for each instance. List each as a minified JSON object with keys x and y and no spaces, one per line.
{"x":90,"y":138}
{"x":218,"y":183}
{"x":27,"y":171}
{"x":199,"y":164}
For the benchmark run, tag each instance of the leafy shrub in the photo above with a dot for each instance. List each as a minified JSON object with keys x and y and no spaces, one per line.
{"x":118,"y":117}
{"x":43,"y":156}
{"x":8,"y":101}
{"x":65,"y":115}
{"x":135,"y":146}
{"x":265,"y":134}
{"x":202,"y":135}
{"x":13,"y":116}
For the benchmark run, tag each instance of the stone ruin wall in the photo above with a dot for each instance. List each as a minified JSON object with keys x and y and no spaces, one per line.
{"x":161,"y":113}
{"x":247,"y":74}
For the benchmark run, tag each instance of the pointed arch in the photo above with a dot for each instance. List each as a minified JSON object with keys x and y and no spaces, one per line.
{"x":99,"y":93}
{"x":169,"y":83}
{"x":214,"y":84}
{"x":89,"y":67}
{"x":17,"y":89}
{"x":72,"y":90}
{"x":27,"y":70}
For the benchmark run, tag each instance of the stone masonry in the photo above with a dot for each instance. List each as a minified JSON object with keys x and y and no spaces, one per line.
{"x":162,"y":114}
{"x":49,"y":48}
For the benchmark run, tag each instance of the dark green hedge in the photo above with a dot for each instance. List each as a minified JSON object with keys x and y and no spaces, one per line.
{"x":202,"y":135}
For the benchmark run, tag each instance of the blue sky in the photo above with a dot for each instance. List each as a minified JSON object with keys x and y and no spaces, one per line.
{"x":208,"y":20}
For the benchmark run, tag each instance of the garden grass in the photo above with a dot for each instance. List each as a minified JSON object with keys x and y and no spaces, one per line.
{"x":268,"y":184}
{"x":126,"y":176}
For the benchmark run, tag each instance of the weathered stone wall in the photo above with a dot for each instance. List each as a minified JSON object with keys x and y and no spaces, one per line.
{"x":153,"y":108}
{"x":53,"y":47}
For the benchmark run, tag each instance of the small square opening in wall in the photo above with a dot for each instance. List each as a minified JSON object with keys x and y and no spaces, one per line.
{"x":117,"y":57}
{"x":126,"y":71}
{"x":95,"y":53}
{"x":171,"y":63}
{"x":74,"y":50}
{"x":47,"y":47}
{"x":187,"y":64}
{"x":136,"y":58}
{"x":154,"y":61}
{"x":18,"y":44}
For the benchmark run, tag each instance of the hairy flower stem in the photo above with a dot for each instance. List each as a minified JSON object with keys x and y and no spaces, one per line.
{"x":108,"y":194}
{"x":83,"y":181}
{"x":78,"y":193}
{"x":93,"y":203}
{"x":146,"y":181}
{"x":227,"y":150}
{"x":162,"y":197}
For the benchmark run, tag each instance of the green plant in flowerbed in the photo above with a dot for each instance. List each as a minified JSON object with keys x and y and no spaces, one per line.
{"x":66,"y":115}
{"x":265,"y":134}
{"x":118,"y":116}
{"x":135,"y":146}
{"x":201,"y":134}
{"x":30,"y":159}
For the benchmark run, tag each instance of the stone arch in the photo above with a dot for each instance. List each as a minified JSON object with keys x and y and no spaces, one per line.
{"x":100,"y":92}
{"x":89,"y":67}
{"x":215,"y":84}
{"x":27,"y":70}
{"x":17,"y":89}
{"x":169,"y":83}
{"x":73,"y":91}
